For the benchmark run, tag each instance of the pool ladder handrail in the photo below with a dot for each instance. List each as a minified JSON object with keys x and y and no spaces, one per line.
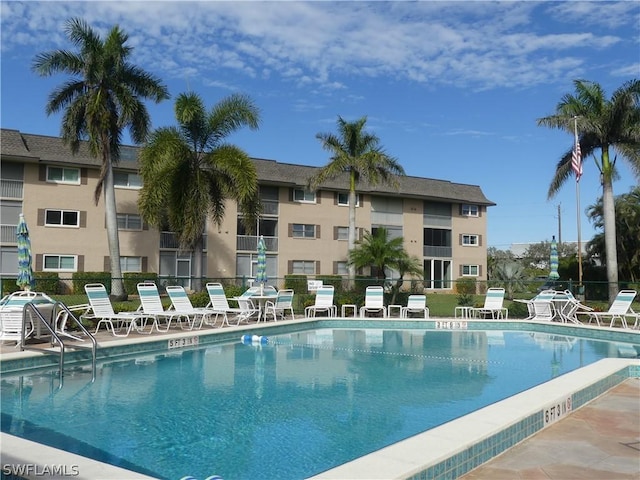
{"x":58,"y":307}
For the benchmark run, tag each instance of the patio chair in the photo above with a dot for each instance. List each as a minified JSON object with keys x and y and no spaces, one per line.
{"x":493,"y":301}
{"x":373,"y":301}
{"x":181,"y":303}
{"x":219,"y":304}
{"x":100,"y":309}
{"x":323,"y":303}
{"x":415,"y":304}
{"x":280,"y":306}
{"x":569,"y":307}
{"x":11,"y":312}
{"x":151,"y":304}
{"x":619,"y":309}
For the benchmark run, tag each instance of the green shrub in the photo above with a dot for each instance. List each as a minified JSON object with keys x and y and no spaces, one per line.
{"x":80,"y":279}
{"x":335,"y":280}
{"x":132,"y":279}
{"x":466,"y":290}
{"x":298,"y":283}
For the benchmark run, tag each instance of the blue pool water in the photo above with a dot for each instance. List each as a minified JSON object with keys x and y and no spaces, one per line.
{"x":301,"y":404}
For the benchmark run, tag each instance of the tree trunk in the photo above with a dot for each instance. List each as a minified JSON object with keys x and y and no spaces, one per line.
{"x":117,"y":285}
{"x":197,"y":265}
{"x":352,"y":230}
{"x":609,"y":215}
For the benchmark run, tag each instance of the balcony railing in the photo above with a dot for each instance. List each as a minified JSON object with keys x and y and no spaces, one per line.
{"x":8,"y":234}
{"x":168,"y":240}
{"x":11,"y":188}
{"x":439,"y":252}
{"x":250,"y":243}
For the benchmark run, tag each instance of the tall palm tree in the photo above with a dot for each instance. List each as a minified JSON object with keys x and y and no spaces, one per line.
{"x":602,"y":124}
{"x":359,"y":155}
{"x":103,"y":97}
{"x":189,"y":171}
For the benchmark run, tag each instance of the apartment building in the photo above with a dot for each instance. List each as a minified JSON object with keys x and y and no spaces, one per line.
{"x":443,"y":223}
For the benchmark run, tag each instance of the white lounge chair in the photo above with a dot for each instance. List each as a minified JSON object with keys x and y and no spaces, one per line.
{"x":373,"y":301}
{"x":100,"y":309}
{"x":619,"y":309}
{"x":493,"y":301}
{"x":280,"y":306}
{"x":151,"y":304}
{"x":11,"y":312}
{"x":219,"y":303}
{"x":181,"y":303}
{"x":323,"y":303}
{"x":415,"y":304}
{"x":568,"y":307}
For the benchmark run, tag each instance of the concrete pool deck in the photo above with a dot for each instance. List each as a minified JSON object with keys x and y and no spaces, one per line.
{"x":597,"y":441}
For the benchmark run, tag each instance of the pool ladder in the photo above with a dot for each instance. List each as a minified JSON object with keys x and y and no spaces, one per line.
{"x":58,"y":346}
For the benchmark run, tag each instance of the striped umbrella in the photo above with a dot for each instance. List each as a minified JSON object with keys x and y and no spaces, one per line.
{"x":553,"y":260}
{"x":261,"y":273}
{"x":25,"y":269}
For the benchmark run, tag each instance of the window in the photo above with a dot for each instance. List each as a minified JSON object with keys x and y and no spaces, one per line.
{"x":342,"y":233}
{"x":470,"y":270}
{"x":131,"y":264}
{"x":61,"y":218}
{"x":470,"y":240}
{"x":343,"y":199}
{"x":128,"y":221}
{"x":303,"y":231}
{"x":304,"y":196}
{"x":341,"y":268}
{"x":63,"y":175}
{"x":305,"y":267}
{"x":59,"y":263}
{"x":127,"y":180}
{"x":470,"y":210}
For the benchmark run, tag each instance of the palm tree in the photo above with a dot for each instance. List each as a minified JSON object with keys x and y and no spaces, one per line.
{"x":602,"y":124}
{"x":103,"y":97}
{"x":189,"y":171}
{"x":358,"y":154}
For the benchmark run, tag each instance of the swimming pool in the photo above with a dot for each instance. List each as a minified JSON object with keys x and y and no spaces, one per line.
{"x":303,"y":403}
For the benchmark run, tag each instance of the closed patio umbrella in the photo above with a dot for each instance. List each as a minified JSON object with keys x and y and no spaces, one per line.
{"x":553,"y":260}
{"x":25,"y":280}
{"x":261,"y":273}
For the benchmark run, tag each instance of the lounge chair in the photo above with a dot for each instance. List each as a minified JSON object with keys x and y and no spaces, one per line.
{"x":323,"y":303}
{"x":493,"y":301}
{"x":100,"y":309}
{"x":11,"y":312}
{"x":373,"y":301}
{"x":181,"y":303}
{"x":415,"y":304}
{"x":219,"y":304}
{"x":280,"y":306}
{"x":568,"y":306}
{"x":151,"y":304}
{"x":619,"y":309}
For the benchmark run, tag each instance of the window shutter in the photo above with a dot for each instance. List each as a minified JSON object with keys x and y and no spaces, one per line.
{"x":460,"y":209}
{"x":479,"y":270}
{"x":460,"y":239}
{"x":38,"y":262}
{"x":40,"y":217}
{"x":335,"y":198}
{"x":335,"y":233}
{"x":80,"y":266}
{"x":335,"y":267}
{"x":359,"y":233}
{"x":42,"y":173}
{"x":290,"y":267}
{"x":317,"y":267}
{"x":291,"y":194}
{"x":290,"y":230}
{"x":318,"y":197}
{"x":145,"y":226}
{"x":480,"y":210}
{"x":317,"y":231}
{"x":461,"y":269}
{"x":479,"y":240}
{"x":83,"y":219}
{"x":145,"y":264}
{"x":83,"y":176}
{"x":107,"y":264}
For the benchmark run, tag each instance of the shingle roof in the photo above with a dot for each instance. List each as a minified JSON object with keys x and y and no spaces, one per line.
{"x":51,"y":149}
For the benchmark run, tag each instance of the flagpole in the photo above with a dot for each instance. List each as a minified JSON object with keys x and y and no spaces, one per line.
{"x":576,"y":154}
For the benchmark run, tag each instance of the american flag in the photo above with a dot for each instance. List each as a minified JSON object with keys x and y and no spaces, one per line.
{"x":576,"y":160}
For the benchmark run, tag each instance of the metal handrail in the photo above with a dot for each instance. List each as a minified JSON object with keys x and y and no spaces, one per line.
{"x":55,"y":337}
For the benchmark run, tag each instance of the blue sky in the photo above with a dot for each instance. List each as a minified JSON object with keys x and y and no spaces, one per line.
{"x":453,"y":89}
